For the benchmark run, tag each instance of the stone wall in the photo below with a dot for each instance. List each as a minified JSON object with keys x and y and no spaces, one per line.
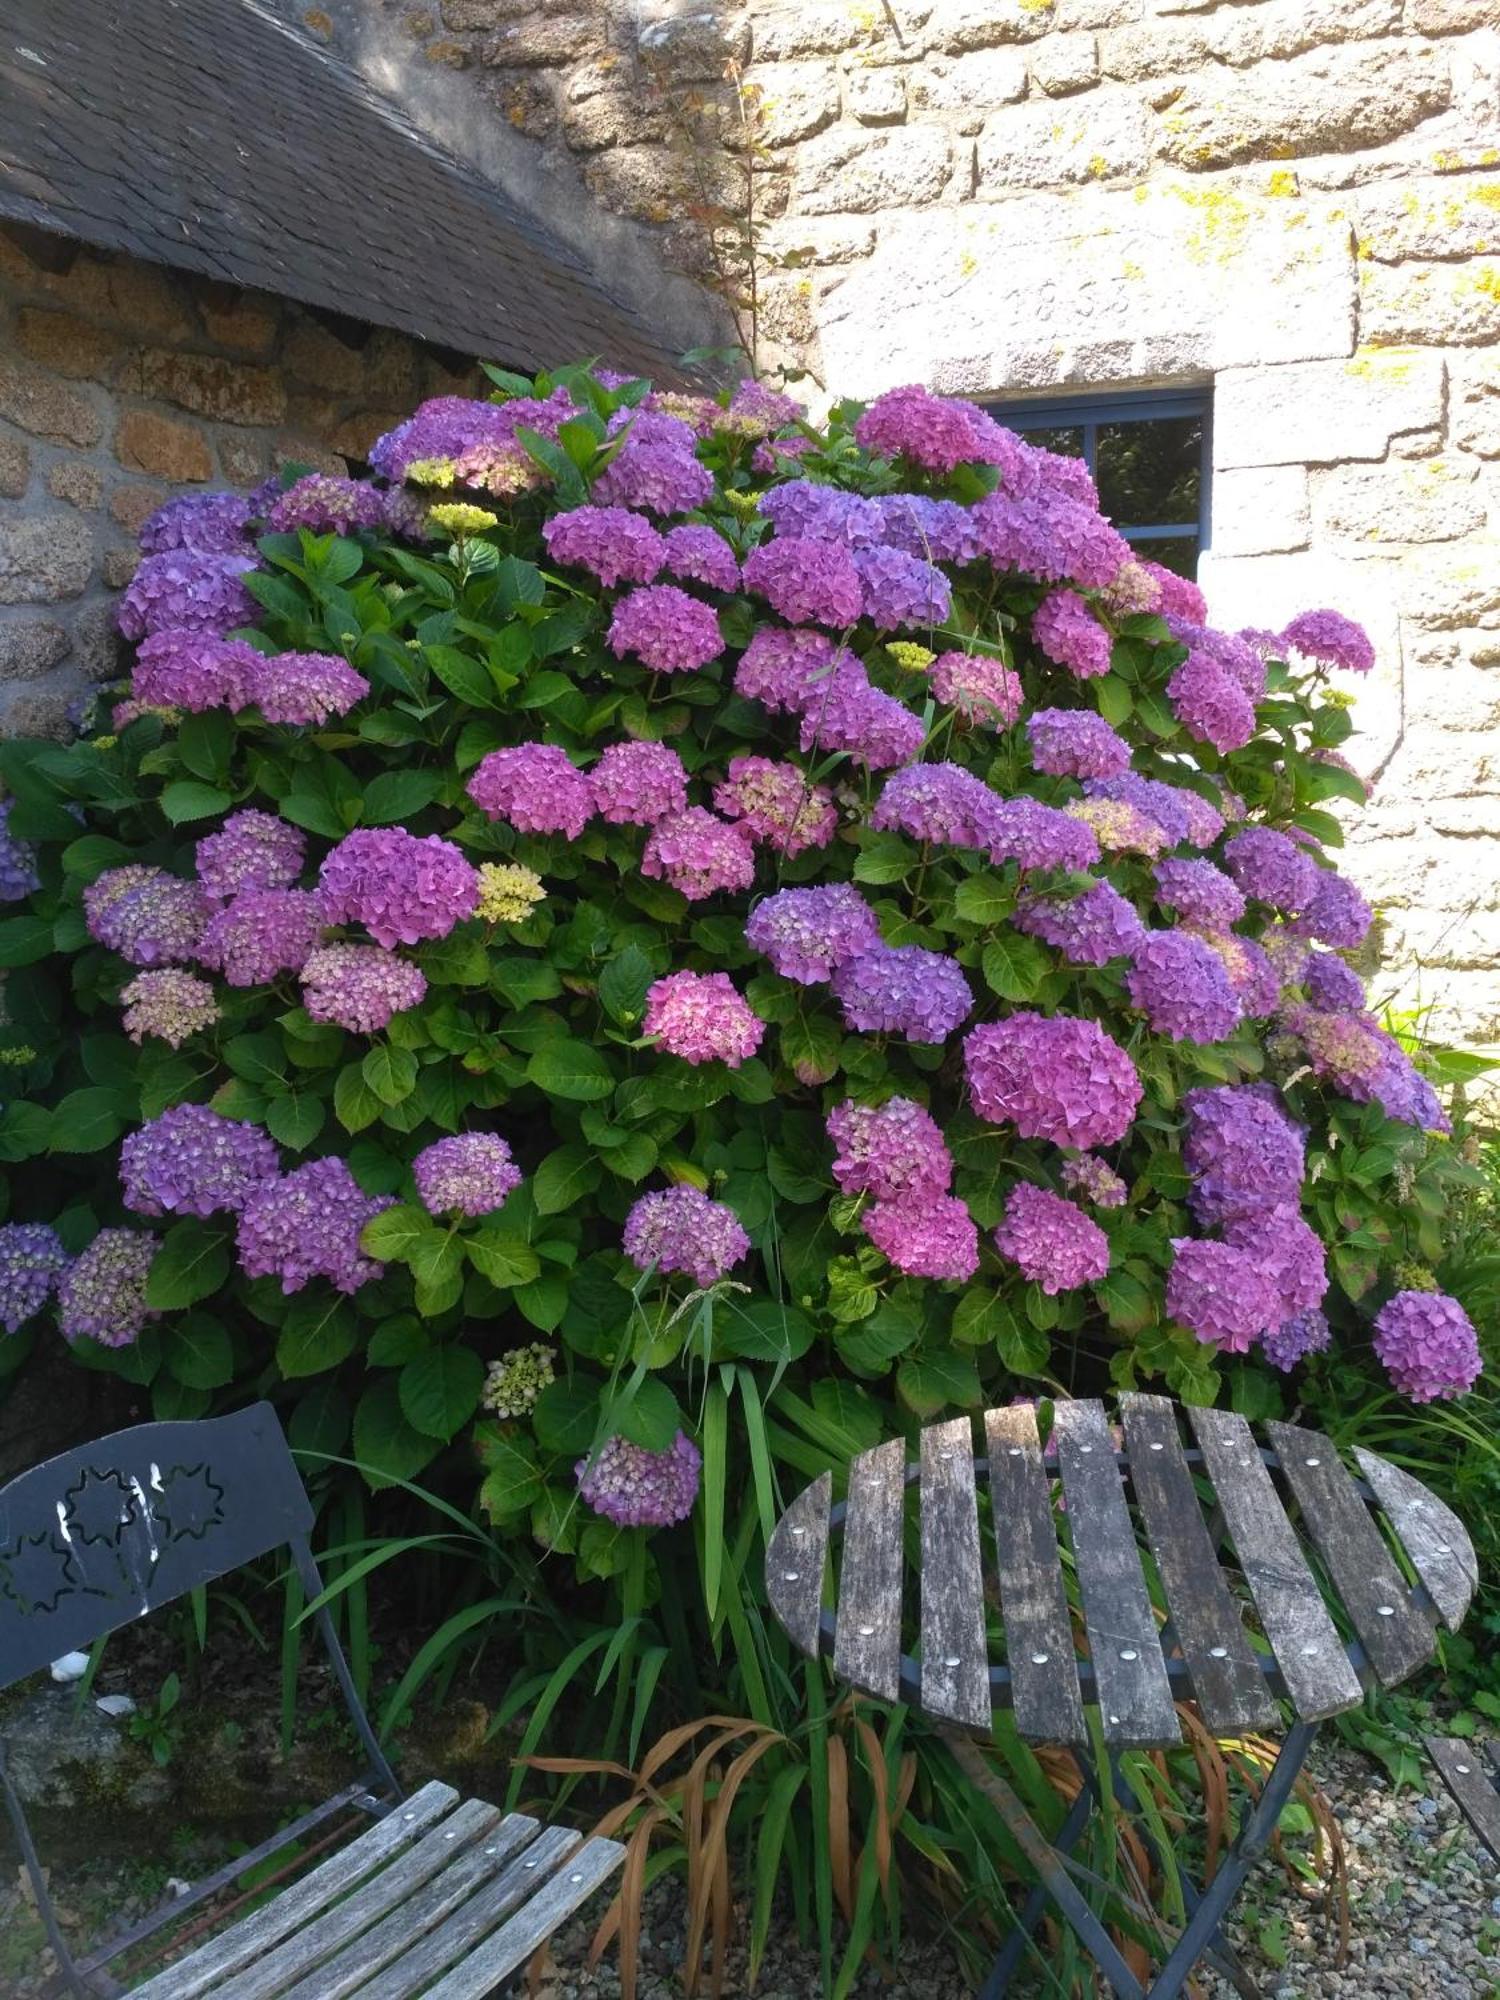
{"x":120,"y":385}
{"x":1297,"y":200}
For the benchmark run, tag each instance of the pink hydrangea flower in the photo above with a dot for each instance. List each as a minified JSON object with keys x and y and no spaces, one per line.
{"x":636,"y":784}
{"x":1220,"y":1294}
{"x":701,"y":555}
{"x":933,"y":1236}
{"x":778,"y":804}
{"x":1052,"y":1077}
{"x":1427,"y":1345}
{"x":806,"y":582}
{"x":980,"y":688}
{"x":617,"y":545}
{"x":698,"y":854}
{"x":1052,"y":1242}
{"x":700,"y":1017}
{"x":360,"y":986}
{"x":669,"y":630}
{"x":680,"y":1229}
{"x":893,"y":1151}
{"x":534,"y":787}
{"x":403,"y":887}
{"x":252,"y":850}
{"x":262,"y":933}
{"x":1067,"y":631}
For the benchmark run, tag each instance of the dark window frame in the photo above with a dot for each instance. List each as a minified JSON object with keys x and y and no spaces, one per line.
{"x":1087,"y":412}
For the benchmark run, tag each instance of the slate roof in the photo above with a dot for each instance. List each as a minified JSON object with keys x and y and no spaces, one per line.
{"x":211,"y":137}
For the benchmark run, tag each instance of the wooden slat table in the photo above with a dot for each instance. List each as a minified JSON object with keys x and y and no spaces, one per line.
{"x":1263,"y":1551}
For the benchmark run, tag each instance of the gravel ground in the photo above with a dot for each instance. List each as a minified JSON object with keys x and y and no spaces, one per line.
{"x":1424,"y":1921}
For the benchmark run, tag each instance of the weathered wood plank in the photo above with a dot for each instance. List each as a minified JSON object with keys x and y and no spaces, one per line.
{"x":794,"y":1564}
{"x":377,"y":1948}
{"x":508,"y":1950}
{"x":1228,"y":1680}
{"x":201,"y":1971}
{"x":1472,"y":1779}
{"x":1394,"y":1633}
{"x":955,"y":1653}
{"x":867,"y":1638}
{"x":1038,"y":1632}
{"x":1135,"y":1696}
{"x":1431,"y":1534}
{"x":1290,"y":1605}
{"x":419,"y":1968}
{"x":273,"y":1972}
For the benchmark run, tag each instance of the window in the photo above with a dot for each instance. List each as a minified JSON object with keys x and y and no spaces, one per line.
{"x":1149,"y":454}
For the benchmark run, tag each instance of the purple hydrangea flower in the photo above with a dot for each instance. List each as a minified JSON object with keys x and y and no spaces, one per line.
{"x":1331,"y":984}
{"x":1177,"y":596}
{"x":668,"y":629}
{"x":326,"y":504}
{"x":806,"y":582}
{"x":1181,"y":987}
{"x":701,"y":555}
{"x":848,"y":713}
{"x":1066,"y":630}
{"x":1348,"y":1050}
{"x":190,"y":591}
{"x":1095,"y":1180}
{"x":1090,"y":929}
{"x":102,"y":1293}
{"x":447,"y":427}
{"x":1336,"y":914}
{"x":893,"y":1151}
{"x":1210,"y":704}
{"x":193,"y":670}
{"x":1167,"y":805}
{"x":1402,"y":1092}
{"x":636,"y":1488}
{"x":980,"y":688}
{"x":778,"y":804}
{"x":18,"y":870}
{"x":1272,"y":869}
{"x":1220,"y":1294}
{"x":32,"y":1259}
{"x":1290,"y":1253}
{"x":698,"y":854}
{"x":148,"y":916}
{"x":1075,"y":743}
{"x":252,"y":850}
{"x":1244,"y":1152}
{"x":935,"y":530}
{"x":903,"y":990}
{"x":808,"y":933}
{"x":1427,"y":1345}
{"x":901,"y":590}
{"x":534,"y":787}
{"x":402,"y":887}
{"x":636,"y":784}
{"x":617,"y":545}
{"x":261,"y":934}
{"x":471,"y":1173}
{"x":932,"y":1236}
{"x":702,"y":1018}
{"x":680,"y":1229}
{"x":1052,"y":1242}
{"x":303,"y":687}
{"x":786,"y":671}
{"x":656,"y":467}
{"x":307,"y":1225}
{"x":799,"y":508}
{"x":1330,"y":639}
{"x":360,"y":987}
{"x":205,"y":523}
{"x":1052,"y":1077}
{"x":1285,"y":1345}
{"x":192,"y":1161}
{"x":1201,"y":894}
{"x":1255,"y":981}
{"x":1037,"y":836}
{"x":169,"y":1004}
{"x":939,"y":433}
{"x":941,"y":803}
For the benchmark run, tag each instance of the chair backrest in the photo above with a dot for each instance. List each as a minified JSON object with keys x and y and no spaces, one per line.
{"x":100,"y":1536}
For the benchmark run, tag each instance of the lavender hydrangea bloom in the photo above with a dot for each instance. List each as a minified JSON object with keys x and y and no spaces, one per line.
{"x":1037,"y":836}
{"x":1095,"y":1180}
{"x":1290,"y":1253}
{"x":939,"y":433}
{"x":325,"y":504}
{"x":1232,"y":653}
{"x":806,"y":582}
{"x":1402,"y":1092}
{"x":32,"y":1259}
{"x":1076,"y":743}
{"x":471,"y":1173}
{"x":1244,"y":1152}
{"x":169,"y":1004}
{"x":848,"y":713}
{"x":1178,"y":597}
{"x":680,"y":1229}
{"x":534,"y":787}
{"x":616,"y":544}
{"x":933,"y":1236}
{"x":1052,"y":1242}
{"x":360,"y":987}
{"x":102,"y":1293}
{"x":1170,"y":806}
{"x":192,"y":1161}
{"x":698,"y":854}
{"x":188,"y":591}
{"x":1180,"y":985}
{"x":702,"y":555}
{"x":1220,"y":1294}
{"x":655,"y":468}
{"x":1331,"y":984}
{"x":303,"y":687}
{"x":1348,"y":1050}
{"x":808,"y":933}
{"x":903,"y":990}
{"x":1200,"y":894}
{"x":148,"y":916}
{"x":941,"y":803}
{"x":637,"y":1488}
{"x":778,"y":804}
{"x":1272,"y":869}
{"x":1052,"y":1077}
{"x":206,"y":523}
{"x":18,"y":871}
{"x":447,"y":427}
{"x":935,"y":530}
{"x":252,"y":850}
{"x":1090,"y":929}
{"x":1256,"y":983}
{"x":261,"y":934}
{"x":1336,"y":914}
{"x":700,"y":1017}
{"x":1330,"y":639}
{"x":1210,"y":704}
{"x":668,"y":629}
{"x":402,"y":887}
{"x":307,"y":1225}
{"x":901,"y":590}
{"x":980,"y":688}
{"x":1427,"y":1345}
{"x":1067,"y":631}
{"x":1285,"y":1345}
{"x":193,"y":670}
{"x":636,"y":784}
{"x":798,"y":507}
{"x":893,"y":1151}
{"x":785,"y":671}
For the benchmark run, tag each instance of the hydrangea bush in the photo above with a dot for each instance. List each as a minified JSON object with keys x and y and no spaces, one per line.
{"x":645,"y":909}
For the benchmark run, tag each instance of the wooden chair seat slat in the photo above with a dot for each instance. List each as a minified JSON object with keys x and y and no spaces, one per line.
{"x":1472,"y":1778}
{"x":1288,"y":1602}
{"x":795,"y":1557}
{"x":1397,"y":1638}
{"x":1227,"y":1677}
{"x":1033,"y":1604}
{"x":503,"y":1954}
{"x":955,"y":1652}
{"x":867,"y":1640}
{"x":1432,"y":1535}
{"x":1135,"y":1696}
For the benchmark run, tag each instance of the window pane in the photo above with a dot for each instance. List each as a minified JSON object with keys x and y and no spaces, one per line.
{"x":1150,"y":472}
{"x":1066,"y":439}
{"x":1176,"y":552}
